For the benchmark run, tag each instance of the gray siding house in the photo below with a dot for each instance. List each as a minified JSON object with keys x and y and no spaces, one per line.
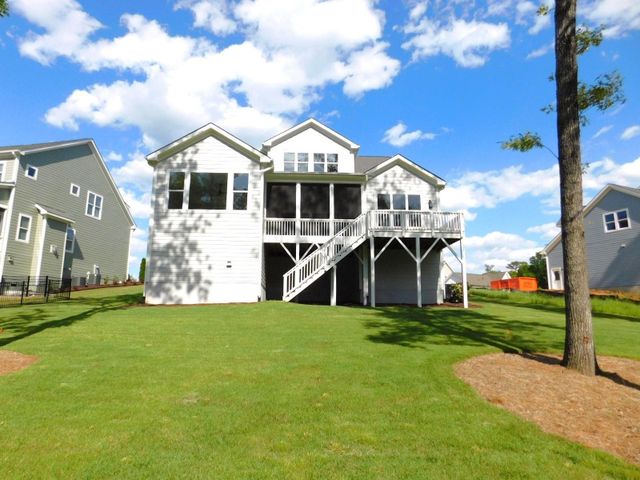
{"x":61,"y":214}
{"x":612,"y":234}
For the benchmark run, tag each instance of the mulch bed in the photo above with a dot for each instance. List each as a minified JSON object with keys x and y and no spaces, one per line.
{"x":600,"y":412}
{"x":14,"y":361}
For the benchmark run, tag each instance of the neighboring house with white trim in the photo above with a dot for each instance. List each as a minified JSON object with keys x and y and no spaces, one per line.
{"x":304,"y":218}
{"x":612,"y":236}
{"x":61,"y":214}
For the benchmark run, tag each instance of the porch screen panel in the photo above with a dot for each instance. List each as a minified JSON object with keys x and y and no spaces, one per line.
{"x":281,"y":200}
{"x":315,"y":200}
{"x":347,"y":202}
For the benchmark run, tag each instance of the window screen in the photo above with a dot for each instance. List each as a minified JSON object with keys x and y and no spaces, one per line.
{"x":346,"y":200}
{"x":314,"y":200}
{"x":281,"y":200}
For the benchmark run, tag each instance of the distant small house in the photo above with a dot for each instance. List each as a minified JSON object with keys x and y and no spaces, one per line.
{"x":61,"y":214}
{"x":481,"y":280}
{"x":611,"y":221}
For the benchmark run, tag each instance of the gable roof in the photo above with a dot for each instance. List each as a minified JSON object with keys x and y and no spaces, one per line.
{"x":635,"y":192}
{"x":208,"y":130}
{"x":43,"y":147}
{"x":408,"y":165}
{"x":316,"y":125}
{"x":364,"y":163}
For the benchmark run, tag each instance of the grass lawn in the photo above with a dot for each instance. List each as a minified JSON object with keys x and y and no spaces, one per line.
{"x":277,"y":390}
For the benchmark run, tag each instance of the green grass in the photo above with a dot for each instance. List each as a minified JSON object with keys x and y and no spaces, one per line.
{"x":602,"y":306}
{"x":277,"y":390}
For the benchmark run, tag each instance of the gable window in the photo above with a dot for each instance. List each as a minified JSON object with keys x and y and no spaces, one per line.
{"x":74,"y":190}
{"x":303,"y":162}
{"x":240,"y":190}
{"x":332,"y":162}
{"x":289,"y":162}
{"x":319,"y":162}
{"x":94,"y":205}
{"x":31,"y":172}
{"x":384,"y":201}
{"x":413,"y":202}
{"x":616,"y":220}
{"x":70,"y":241}
{"x":208,"y":191}
{"x":24,"y":228}
{"x":176,"y":190}
{"x":2,"y":169}
{"x":2,"y":210}
{"x":399,"y":201}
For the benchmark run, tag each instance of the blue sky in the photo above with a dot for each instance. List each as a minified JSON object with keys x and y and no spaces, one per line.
{"x":440,"y":82}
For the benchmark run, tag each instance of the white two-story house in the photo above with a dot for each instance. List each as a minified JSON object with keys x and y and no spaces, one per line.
{"x":305,"y":218}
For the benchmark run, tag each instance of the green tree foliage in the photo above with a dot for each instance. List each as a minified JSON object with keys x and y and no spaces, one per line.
{"x":489,"y":268}
{"x":538,"y":268}
{"x":4,"y":8}
{"x":143,"y":268}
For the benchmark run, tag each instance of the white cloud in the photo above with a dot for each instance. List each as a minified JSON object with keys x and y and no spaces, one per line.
{"x":139,"y":205}
{"x":214,"y":15}
{"x":488,"y":189}
{"x":526,"y":14}
{"x":546,"y":230}
{"x":138,"y":250}
{"x":134,"y":173}
{"x":113,"y":157}
{"x":66,"y":25}
{"x":254,"y":88}
{"x":630,"y":132}
{"x":618,"y":16}
{"x":498,"y":7}
{"x":539,"y":52}
{"x":399,"y":137}
{"x":498,"y":249}
{"x":602,"y":131}
{"x":467,"y":42}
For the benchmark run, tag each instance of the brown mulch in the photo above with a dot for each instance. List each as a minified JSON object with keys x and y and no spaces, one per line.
{"x":14,"y":361}
{"x":600,"y":412}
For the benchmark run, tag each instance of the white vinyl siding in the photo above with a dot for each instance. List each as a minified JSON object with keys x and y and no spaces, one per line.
{"x":94,"y":205}
{"x":206,"y":256}
{"x":409,"y":191}
{"x":23,"y":232}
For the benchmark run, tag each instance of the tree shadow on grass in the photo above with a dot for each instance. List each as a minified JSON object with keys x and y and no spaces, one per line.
{"x":21,"y":322}
{"x":419,"y":327}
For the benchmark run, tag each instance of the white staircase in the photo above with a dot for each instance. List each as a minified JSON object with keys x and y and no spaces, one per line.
{"x":310,"y":268}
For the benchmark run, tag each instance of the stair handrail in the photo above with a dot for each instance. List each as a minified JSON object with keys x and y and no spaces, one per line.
{"x":324,"y":256}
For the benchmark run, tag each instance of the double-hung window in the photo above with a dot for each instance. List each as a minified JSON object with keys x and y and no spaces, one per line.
{"x":70,"y":241}
{"x":176,"y":190}
{"x":303,"y":162}
{"x":332,"y":162}
{"x":94,"y":205}
{"x":240,"y":190}
{"x":413,"y":202}
{"x":319,"y":162}
{"x":289,"y":162}
{"x":208,"y":191}
{"x":3,"y":167}
{"x":618,"y":220}
{"x":24,"y":228}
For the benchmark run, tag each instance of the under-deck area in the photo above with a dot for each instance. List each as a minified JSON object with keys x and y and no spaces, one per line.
{"x":396,"y":279}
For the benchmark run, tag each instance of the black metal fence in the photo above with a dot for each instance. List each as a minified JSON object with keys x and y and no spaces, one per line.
{"x":30,"y":290}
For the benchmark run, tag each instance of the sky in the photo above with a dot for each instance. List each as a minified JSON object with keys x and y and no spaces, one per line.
{"x":442,"y":82}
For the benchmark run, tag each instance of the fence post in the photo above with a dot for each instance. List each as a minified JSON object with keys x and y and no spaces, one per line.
{"x":22,"y":293}
{"x":46,"y":289}
{"x":28,"y":285}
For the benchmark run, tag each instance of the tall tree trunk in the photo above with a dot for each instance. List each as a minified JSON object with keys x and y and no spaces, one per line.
{"x":579,"y":350}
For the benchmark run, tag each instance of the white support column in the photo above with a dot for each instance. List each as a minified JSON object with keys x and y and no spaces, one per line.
{"x":365,"y":277}
{"x":372,"y":266}
{"x":332,"y":210}
{"x":463,"y":261}
{"x":418,"y":273}
{"x":334,"y":285}
{"x":298,"y":208}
